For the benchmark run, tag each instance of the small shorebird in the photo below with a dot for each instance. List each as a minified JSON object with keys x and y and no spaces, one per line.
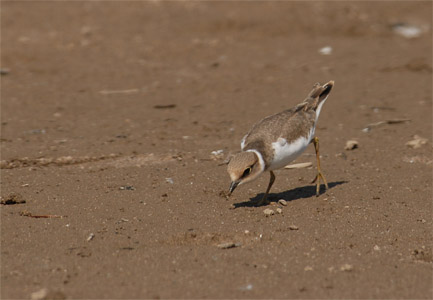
{"x":277,"y":140}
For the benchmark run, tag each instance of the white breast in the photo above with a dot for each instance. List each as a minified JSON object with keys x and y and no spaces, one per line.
{"x":284,"y":152}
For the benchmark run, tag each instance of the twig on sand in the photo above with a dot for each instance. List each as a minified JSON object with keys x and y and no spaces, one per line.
{"x":108,"y":92}
{"x":159,"y":106}
{"x":393,"y":121}
{"x":28,"y":214}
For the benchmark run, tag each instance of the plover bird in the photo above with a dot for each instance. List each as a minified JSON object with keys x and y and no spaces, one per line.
{"x":277,"y":140}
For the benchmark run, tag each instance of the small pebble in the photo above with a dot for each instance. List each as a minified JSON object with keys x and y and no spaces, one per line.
{"x":282,"y":202}
{"x":217,"y":152}
{"x":346,"y":268}
{"x":37,"y":131}
{"x":308,"y":268}
{"x":293,"y":227}
{"x":90,"y":237}
{"x":417,"y":142}
{"x":248,"y":287}
{"x":41,"y":294}
{"x":350,"y":145}
{"x":279,"y":210}
{"x":376,"y":248}
{"x":268,"y":212}
{"x":325,"y":50}
{"x":45,"y":294}
{"x":228,"y":245}
{"x":127,"y":188}
{"x":4,"y":71}
{"x":408,"y":31}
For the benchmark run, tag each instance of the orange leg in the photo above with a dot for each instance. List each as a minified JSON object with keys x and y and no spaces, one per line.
{"x":319,"y":172}
{"x":264,"y":200}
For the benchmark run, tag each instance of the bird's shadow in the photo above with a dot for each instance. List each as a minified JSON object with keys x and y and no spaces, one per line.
{"x":289,"y":195}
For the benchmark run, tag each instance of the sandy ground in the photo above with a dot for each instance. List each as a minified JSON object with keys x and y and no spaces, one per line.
{"x":110,"y":112}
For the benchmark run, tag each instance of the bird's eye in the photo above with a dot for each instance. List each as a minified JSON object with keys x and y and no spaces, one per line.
{"x":246,"y":172}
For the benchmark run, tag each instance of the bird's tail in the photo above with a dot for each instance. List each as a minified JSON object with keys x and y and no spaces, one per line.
{"x":319,"y":92}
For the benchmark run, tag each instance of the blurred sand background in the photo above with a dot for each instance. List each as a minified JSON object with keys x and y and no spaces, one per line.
{"x":110,"y":112}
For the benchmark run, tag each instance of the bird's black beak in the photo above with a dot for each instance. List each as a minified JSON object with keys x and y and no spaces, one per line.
{"x":233,"y":185}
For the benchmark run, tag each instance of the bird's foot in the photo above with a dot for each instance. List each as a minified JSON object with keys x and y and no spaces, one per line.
{"x":317,"y":181}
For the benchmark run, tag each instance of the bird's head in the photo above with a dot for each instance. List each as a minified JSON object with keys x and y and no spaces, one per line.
{"x":244,"y":167}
